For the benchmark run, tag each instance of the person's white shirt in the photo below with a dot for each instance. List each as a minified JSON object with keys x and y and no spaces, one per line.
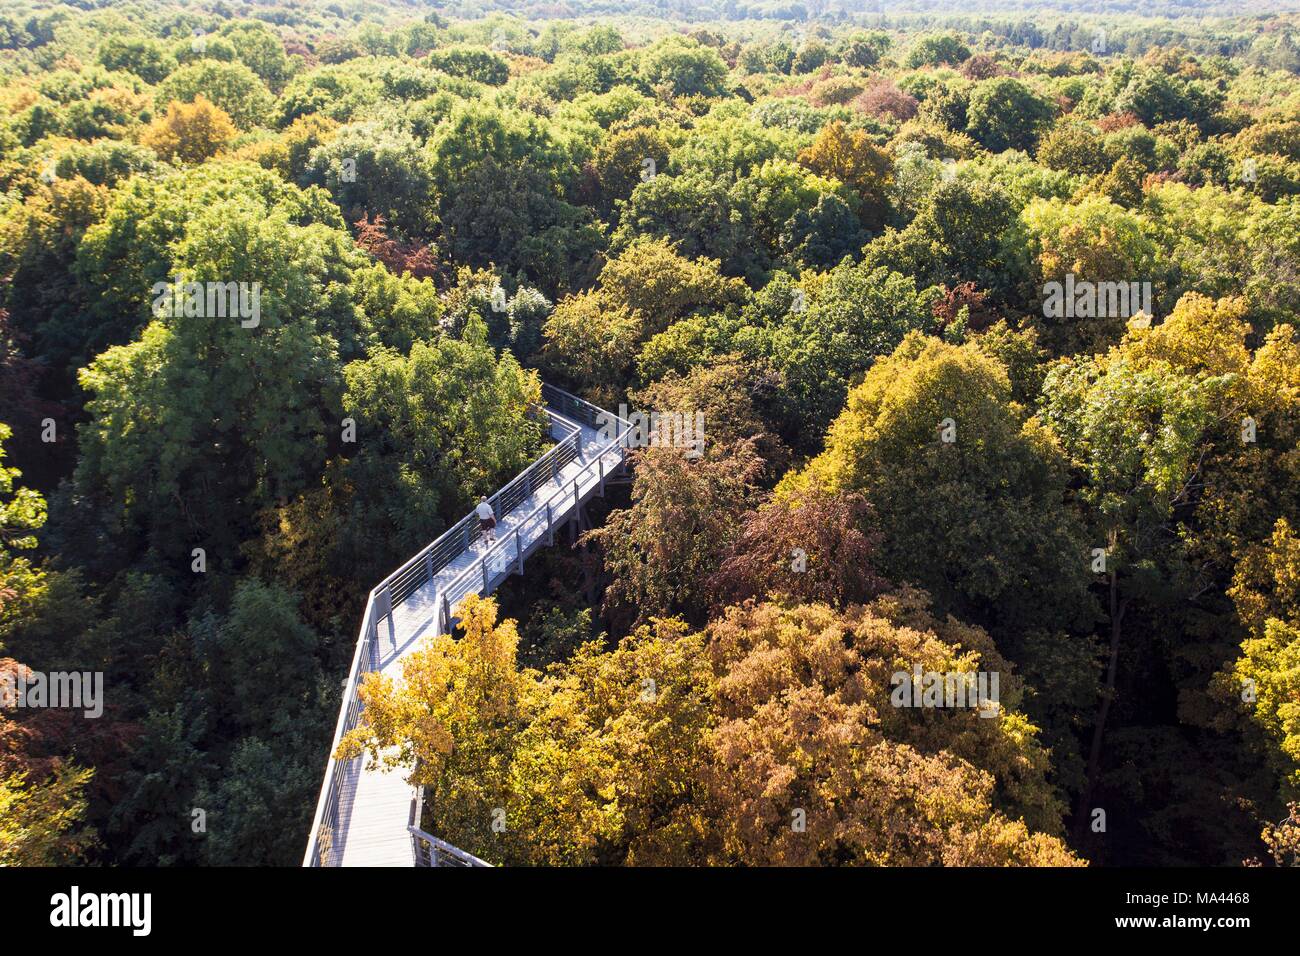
{"x":484,"y":511}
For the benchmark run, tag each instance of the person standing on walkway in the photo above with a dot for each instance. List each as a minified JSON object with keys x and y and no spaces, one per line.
{"x":487,"y":521}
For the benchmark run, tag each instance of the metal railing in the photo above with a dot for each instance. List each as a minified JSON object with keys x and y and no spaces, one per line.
{"x":507,"y":556}
{"x":428,"y":850}
{"x":422,"y":568}
{"x":456,"y":540}
{"x":579,"y":409}
{"x":320,"y":845}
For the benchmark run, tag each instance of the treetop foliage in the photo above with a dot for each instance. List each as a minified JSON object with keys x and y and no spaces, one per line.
{"x":989,"y":315}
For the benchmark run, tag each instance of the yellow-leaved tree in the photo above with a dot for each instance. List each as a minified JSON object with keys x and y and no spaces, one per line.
{"x":189,"y":133}
{"x":769,"y":738}
{"x":453,"y":720}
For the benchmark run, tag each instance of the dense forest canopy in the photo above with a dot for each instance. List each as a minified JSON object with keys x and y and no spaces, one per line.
{"x":989,"y":314}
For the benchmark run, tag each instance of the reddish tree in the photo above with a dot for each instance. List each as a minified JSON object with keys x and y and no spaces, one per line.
{"x":981,"y":67}
{"x":813,"y":548}
{"x":799,"y":88}
{"x":883,"y":99}
{"x":1113,"y":121}
{"x":37,"y":740}
{"x":399,"y":257}
{"x":296,"y":47}
{"x":979,"y":314}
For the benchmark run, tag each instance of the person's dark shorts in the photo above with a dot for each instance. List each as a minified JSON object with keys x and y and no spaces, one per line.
{"x":487,"y":524}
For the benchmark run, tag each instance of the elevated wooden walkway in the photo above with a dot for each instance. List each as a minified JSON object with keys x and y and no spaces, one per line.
{"x":370,"y":817}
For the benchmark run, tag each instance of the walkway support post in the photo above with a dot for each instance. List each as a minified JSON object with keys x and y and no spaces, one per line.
{"x":374,"y":642}
{"x":577,"y":512}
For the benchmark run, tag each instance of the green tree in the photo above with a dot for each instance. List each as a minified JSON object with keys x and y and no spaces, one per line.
{"x":933,"y":441}
{"x":133,"y":244}
{"x":935,"y":49}
{"x":591,"y":338}
{"x":263,"y":653}
{"x":1138,"y":423}
{"x":371,"y":170}
{"x":143,"y":56}
{"x":1074,"y":147}
{"x":231,"y":86}
{"x":966,"y":230}
{"x":500,"y":177}
{"x":260,"y":49}
{"x":252,"y":426}
{"x":435,"y":429}
{"x":1005,"y":113}
{"x":22,"y":511}
{"x":471,"y":63}
{"x":681,"y":67}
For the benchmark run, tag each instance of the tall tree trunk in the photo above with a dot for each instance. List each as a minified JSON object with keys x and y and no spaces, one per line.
{"x":1118,"y":606}
{"x":588,"y":576}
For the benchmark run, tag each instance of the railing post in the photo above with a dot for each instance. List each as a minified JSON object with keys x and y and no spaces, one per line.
{"x":392,"y":628}
{"x":519,"y":553}
{"x":576,"y":525}
{"x":600,"y":467}
{"x":446,"y":615}
{"x":483,"y":565}
{"x":374,"y":642}
{"x":550,"y":527}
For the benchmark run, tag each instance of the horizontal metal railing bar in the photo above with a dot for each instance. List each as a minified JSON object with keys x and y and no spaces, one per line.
{"x":559,"y":398}
{"x":443,"y":848}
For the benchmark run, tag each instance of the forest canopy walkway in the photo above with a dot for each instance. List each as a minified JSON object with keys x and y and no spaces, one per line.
{"x":370,"y":817}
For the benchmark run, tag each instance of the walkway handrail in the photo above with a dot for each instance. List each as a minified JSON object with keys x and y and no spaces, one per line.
{"x":428,"y":850}
{"x":424,"y":566}
{"x":326,"y":819}
{"x":579,"y":409}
